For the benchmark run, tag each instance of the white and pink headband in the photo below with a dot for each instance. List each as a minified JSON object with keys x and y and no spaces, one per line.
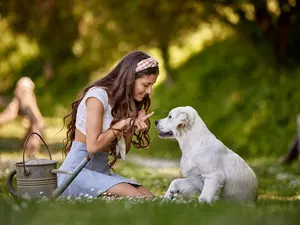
{"x":146,"y":63}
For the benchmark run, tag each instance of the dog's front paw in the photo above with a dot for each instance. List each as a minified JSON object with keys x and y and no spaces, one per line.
{"x":171,"y":194}
{"x":173,"y":190}
{"x":168,"y":195}
{"x":203,"y":199}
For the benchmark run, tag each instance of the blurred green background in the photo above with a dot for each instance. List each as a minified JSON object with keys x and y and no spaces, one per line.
{"x":237,"y":62}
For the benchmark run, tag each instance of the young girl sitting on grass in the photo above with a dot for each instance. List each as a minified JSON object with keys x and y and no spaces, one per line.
{"x":110,"y":112}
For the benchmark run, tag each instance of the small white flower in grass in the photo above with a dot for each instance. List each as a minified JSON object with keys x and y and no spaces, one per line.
{"x":24,"y":205}
{"x":154,"y":199}
{"x":284,"y":176}
{"x":86,"y":195}
{"x":92,"y":189}
{"x":273,"y":170}
{"x":16,"y":207}
{"x":44,"y":199}
{"x":295,"y":183}
{"x":26,"y":196}
{"x":61,"y":198}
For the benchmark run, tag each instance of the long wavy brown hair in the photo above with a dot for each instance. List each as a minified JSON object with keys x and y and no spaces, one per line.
{"x":120,"y":83}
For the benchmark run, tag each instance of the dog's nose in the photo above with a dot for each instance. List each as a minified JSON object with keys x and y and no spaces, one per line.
{"x":156,"y":122}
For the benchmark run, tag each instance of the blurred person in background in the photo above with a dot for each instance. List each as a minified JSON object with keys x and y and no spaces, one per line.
{"x":24,"y":104}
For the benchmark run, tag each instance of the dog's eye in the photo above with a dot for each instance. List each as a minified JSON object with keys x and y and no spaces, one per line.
{"x":169,"y":116}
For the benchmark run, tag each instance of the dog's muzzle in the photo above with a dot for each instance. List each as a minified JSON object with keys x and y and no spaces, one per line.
{"x":161,"y":133}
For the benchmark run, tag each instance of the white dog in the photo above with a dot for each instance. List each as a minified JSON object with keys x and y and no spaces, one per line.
{"x":208,"y":166}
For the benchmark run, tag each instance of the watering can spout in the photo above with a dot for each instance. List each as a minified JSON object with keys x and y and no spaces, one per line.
{"x":62,"y":187}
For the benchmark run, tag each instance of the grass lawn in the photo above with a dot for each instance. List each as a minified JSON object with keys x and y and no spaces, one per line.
{"x":278,"y":202}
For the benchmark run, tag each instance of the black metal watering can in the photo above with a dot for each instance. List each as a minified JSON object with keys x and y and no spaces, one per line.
{"x":37,"y":178}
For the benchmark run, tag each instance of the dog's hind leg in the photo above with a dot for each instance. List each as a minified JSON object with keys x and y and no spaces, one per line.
{"x":184,"y":187}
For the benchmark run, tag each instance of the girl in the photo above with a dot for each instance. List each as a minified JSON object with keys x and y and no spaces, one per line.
{"x":110,"y":110}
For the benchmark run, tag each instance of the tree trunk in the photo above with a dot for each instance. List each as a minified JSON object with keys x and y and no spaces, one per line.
{"x":283,"y":32}
{"x":164,"y":48}
{"x":298,"y":134}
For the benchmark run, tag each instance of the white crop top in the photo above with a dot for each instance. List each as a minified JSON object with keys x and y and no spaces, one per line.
{"x":100,"y":94}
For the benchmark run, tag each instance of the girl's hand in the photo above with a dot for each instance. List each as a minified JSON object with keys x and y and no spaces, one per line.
{"x":139,"y":123}
{"x":122,"y":124}
{"x":141,"y":114}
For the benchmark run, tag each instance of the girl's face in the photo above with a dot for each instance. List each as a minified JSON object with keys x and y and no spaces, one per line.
{"x":143,"y":86}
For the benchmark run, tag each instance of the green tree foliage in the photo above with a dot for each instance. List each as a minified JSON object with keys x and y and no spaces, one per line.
{"x":56,"y":44}
{"x":272,"y":26}
{"x":48,"y":29}
{"x":62,"y":44}
{"x":15,"y":51}
{"x":154,"y":23}
{"x":238,"y":98}
{"x":51,"y":24}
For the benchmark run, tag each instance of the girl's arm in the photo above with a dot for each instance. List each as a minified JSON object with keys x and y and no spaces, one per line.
{"x":96,"y":140}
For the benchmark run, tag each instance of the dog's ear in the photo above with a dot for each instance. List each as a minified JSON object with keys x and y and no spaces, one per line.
{"x":182,"y":120}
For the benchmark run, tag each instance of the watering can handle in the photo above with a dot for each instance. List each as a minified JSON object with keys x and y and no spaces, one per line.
{"x":24,"y":148}
{"x":9,"y":182}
